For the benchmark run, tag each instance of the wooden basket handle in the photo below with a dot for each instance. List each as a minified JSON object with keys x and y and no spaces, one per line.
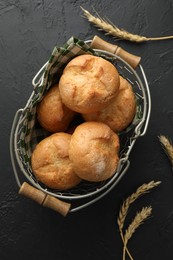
{"x":44,"y":199}
{"x":98,"y":43}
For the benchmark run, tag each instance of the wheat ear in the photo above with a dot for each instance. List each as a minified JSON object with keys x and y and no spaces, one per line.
{"x":146,"y":187}
{"x":137,"y":221}
{"x":111,"y":29}
{"x":167,"y":147}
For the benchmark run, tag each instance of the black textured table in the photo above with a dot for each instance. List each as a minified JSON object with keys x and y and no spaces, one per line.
{"x":28,"y":32}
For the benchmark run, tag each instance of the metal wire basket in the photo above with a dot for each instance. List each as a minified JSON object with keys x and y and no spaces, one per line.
{"x":26,"y":133}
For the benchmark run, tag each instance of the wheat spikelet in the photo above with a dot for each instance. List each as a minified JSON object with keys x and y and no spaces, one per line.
{"x":137,"y":221}
{"x":167,"y":146}
{"x":113,"y":30}
{"x":134,"y":196}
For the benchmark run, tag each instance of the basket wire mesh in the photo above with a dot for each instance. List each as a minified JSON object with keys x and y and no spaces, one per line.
{"x":26,"y":132}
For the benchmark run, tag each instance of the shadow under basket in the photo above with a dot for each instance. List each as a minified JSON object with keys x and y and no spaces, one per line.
{"x":26,"y":133}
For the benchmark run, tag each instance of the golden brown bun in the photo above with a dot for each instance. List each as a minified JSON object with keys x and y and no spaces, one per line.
{"x":50,"y":162}
{"x":120,"y":112}
{"x":94,"y":149}
{"x":53,"y":115}
{"x":88,"y":83}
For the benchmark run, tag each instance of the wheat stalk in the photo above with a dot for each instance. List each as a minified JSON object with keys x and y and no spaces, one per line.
{"x":134,"y":196}
{"x":167,"y":146}
{"x":137,"y":221}
{"x":111,"y":29}
{"x":146,"y":187}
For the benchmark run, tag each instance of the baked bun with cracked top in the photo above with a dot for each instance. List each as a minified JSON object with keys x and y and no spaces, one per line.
{"x":88,"y":83}
{"x":52,"y":114}
{"x":120,"y":112}
{"x":50,"y":162}
{"x":94,"y":151}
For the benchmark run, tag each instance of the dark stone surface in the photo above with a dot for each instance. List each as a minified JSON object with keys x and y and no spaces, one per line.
{"x":28,"y":32}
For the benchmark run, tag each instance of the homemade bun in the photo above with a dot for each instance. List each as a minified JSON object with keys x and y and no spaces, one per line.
{"x":50,"y":162}
{"x":93,"y":150}
{"x":120,"y":112}
{"x":52,"y":114}
{"x":88,"y":83}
